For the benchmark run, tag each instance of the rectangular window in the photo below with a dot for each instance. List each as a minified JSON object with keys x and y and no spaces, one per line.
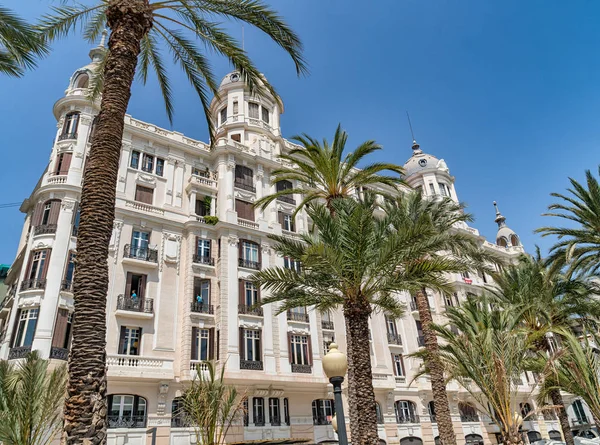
{"x":265,"y":115}
{"x":289,"y":263}
{"x":327,"y":340}
{"x":287,"y":222}
{"x":37,"y":266}
{"x":135,"y":159}
{"x":323,"y":411}
{"x":201,"y":291}
{"x":245,"y":210}
{"x":70,"y":272}
{"x":443,"y":189}
{"x":391,"y":325}
{"x":202,"y":342}
{"x":201,"y":209}
{"x":252,"y":350}
{"x":249,"y":251}
{"x":432,"y":188}
{"x":286,"y":411}
{"x":465,"y":275}
{"x":250,"y":294}
{"x":135,"y":287}
{"x":299,"y":344}
{"x":70,"y":126}
{"x":203,"y":248}
{"x":144,"y":194}
{"x":253,"y":110}
{"x":160,"y":166}
{"x":244,"y":178}
{"x":235,"y":108}
{"x":129,"y":341}
{"x":398,"y":363}
{"x":223,"y":115}
{"x":148,"y":163}
{"x":26,"y":328}
{"x":274,"y":411}
{"x":139,"y":239}
{"x":258,"y":411}
{"x":46,"y":213}
{"x":63,"y":162}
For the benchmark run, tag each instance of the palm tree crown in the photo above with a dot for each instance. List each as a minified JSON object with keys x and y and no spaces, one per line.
{"x":322,"y":173}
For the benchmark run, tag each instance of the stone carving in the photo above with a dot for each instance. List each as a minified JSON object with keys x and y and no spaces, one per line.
{"x":68,"y":204}
{"x":115,"y":238}
{"x":246,"y":196}
{"x":146,"y":178}
{"x":261,"y":392}
{"x":85,"y":120}
{"x":163,"y":389}
{"x":233,"y":240}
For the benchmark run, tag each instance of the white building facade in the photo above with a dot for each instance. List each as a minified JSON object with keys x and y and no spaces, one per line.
{"x":185,"y":240}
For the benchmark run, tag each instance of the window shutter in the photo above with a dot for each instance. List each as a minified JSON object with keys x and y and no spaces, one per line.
{"x":128,"y":285}
{"x":242,"y":345}
{"x":36,"y":219}
{"x":211,"y":344}
{"x":241,"y":249}
{"x":209,"y":292}
{"x":259,"y":256}
{"x":280,"y":217}
{"x":46,"y":263}
{"x":402,"y":365}
{"x":15,"y":328}
{"x":310,"y":357}
{"x":122,"y":340}
{"x":142,"y":289}
{"x":194,"y":355}
{"x":66,"y":163}
{"x":290,"y":354}
{"x":241,"y":296}
{"x":54,"y":211}
{"x":259,"y":355}
{"x":60,"y":328}
{"x":29,"y":263}
{"x":394,"y":365}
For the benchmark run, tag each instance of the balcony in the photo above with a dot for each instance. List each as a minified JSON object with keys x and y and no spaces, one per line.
{"x":201,"y":259}
{"x":144,"y":305}
{"x":20,"y":352}
{"x":297,"y":316}
{"x":421,"y":341}
{"x":33,"y":284}
{"x":202,"y":180}
{"x":250,"y":310}
{"x":394,"y":338}
{"x":302,"y":369}
{"x":574,"y":422}
{"x":45,"y":229}
{"x":133,"y":366}
{"x":201,"y":308}
{"x":198,"y":366}
{"x":469,"y":418}
{"x":328,"y":325}
{"x":66,"y":286}
{"x":140,"y":253}
{"x":138,"y":421}
{"x":244,"y":186}
{"x":286,"y":198}
{"x":66,"y":136}
{"x":407,"y":418}
{"x":249,"y":264}
{"x":59,"y":353}
{"x":253,"y":365}
{"x":248,"y":224}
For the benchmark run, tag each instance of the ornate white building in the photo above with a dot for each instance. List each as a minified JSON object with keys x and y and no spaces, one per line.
{"x":185,"y":239}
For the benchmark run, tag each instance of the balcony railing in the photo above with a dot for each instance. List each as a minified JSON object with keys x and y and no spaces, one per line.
{"x":249,"y":264}
{"x":254,"y":365}
{"x":421,"y":341}
{"x":394,"y":338}
{"x":245,"y":186}
{"x":33,"y":284}
{"x":66,"y":285}
{"x":141,"y":253}
{"x":574,"y":422}
{"x":201,"y":259}
{"x":250,"y":310}
{"x":302,"y":369}
{"x":65,"y":136}
{"x":59,"y":353}
{"x":202,"y":308}
{"x":469,"y":418}
{"x":321,"y":421}
{"x":136,"y":421}
{"x":297,"y":316}
{"x":286,"y":198}
{"x":44,"y":229}
{"x":327,"y":325}
{"x":259,"y":421}
{"x":135,"y":304}
{"x":20,"y":352}
{"x":407,"y":418}
{"x":180,"y":421}
{"x":276,"y":421}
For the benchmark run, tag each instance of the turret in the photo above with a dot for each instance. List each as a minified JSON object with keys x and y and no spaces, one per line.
{"x":506,"y":237}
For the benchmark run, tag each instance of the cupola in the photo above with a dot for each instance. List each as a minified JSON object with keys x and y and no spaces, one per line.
{"x":506,"y":237}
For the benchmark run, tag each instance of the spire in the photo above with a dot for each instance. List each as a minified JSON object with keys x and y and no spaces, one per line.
{"x":97,"y":53}
{"x":500,"y":220}
{"x":415,"y":146}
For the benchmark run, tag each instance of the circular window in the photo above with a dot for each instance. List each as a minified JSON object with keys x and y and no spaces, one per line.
{"x":234,"y":77}
{"x":423,"y":162}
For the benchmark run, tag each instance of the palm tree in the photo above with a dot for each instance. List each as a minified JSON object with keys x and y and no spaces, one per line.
{"x":550,"y":304}
{"x":357,"y":260}
{"x":321,"y":173}
{"x":211,"y":406}
{"x":578,"y":247}
{"x":20,"y":44}
{"x":30,"y":401}
{"x":486,"y":358}
{"x":138,"y":29}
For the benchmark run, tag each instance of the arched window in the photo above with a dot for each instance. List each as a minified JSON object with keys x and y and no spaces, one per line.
{"x":514,"y":240}
{"x":323,"y":411}
{"x":502,"y":241}
{"x":525,"y":409}
{"x":473,"y":439}
{"x":555,"y":435}
{"x":467,"y":413}
{"x":406,"y":412}
{"x":534,"y":436}
{"x":82,"y":81}
{"x":69,"y":130}
{"x":126,"y":411}
{"x":437,"y":440}
{"x":379,"y":413}
{"x":431,"y":411}
{"x":411,"y":441}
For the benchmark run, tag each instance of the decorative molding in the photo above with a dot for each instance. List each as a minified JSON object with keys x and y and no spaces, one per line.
{"x":266,"y":248}
{"x":117,"y":226}
{"x":233,"y":240}
{"x":260,"y":172}
{"x":146,"y":179}
{"x":121,"y":178}
{"x":297,"y":330}
{"x":261,"y":392}
{"x":250,"y":324}
{"x":79,"y":154}
{"x":170,"y":254}
{"x":163,"y":389}
{"x":85,"y":120}
{"x":170,"y":192}
{"x":246,"y":196}
{"x":276,"y":393}
{"x":68,"y":204}
{"x":158,"y":421}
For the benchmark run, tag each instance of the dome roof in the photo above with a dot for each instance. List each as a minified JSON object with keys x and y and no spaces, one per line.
{"x":505,"y":237}
{"x":422,"y":161}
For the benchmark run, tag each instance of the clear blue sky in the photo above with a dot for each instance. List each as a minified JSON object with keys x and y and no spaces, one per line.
{"x":507,"y":93}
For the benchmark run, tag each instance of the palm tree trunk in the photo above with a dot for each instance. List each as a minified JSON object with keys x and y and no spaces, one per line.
{"x":85,"y":405}
{"x":557,"y":400}
{"x":361,"y":396}
{"x":512,"y":438}
{"x":436,"y":372}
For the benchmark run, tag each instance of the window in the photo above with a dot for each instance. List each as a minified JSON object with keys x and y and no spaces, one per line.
{"x":160,"y":166}
{"x":579,"y":412}
{"x":47,"y":215}
{"x":235,"y":107}
{"x":265,"y":115}
{"x":83,"y":81}
{"x":70,"y":126}
{"x":223,"y":115}
{"x":245,"y":210}
{"x":201,"y":208}
{"x":201,"y":291}
{"x":244,"y":178}
{"x":274,"y":411}
{"x":135,"y":159}
{"x":322,"y":411}
{"x":126,"y":411}
{"x":236,"y":137}
{"x":139,"y":239}
{"x":465,"y":275}
{"x":62,"y":329}
{"x":391,"y":325}
{"x":203,"y":248}
{"x":379,"y":413}
{"x":299,"y":350}
{"x":148,"y":163}
{"x":258,"y":411}
{"x":70,"y":271}
{"x":525,"y":409}
{"x":289,"y":263}
{"x":249,"y":251}
{"x":451,"y":300}
{"x":144,"y":194}
{"x":327,"y":340}
{"x":251,"y":296}
{"x":431,"y":411}
{"x":76,"y":218}
{"x":38,"y":264}
{"x":246,"y":411}
{"x":444,"y":189}
{"x":202,"y":348}
{"x":398,"y":363}
{"x":468,"y":413}
{"x":405,"y":412}
{"x":286,"y":411}
{"x":432,"y":188}
{"x":253,"y":110}
{"x":63,"y":162}
{"x":251,"y":345}
{"x":93,"y":129}
{"x":287,"y":222}
{"x":283,"y":185}
{"x":25,"y":327}
{"x":135,"y":287}
{"x":129,"y":341}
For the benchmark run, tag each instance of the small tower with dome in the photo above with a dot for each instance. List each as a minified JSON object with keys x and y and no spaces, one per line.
{"x":506,"y":237}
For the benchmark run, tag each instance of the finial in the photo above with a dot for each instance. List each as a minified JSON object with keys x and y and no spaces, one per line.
{"x":103,"y":39}
{"x":415,"y":146}
{"x":499,"y":218}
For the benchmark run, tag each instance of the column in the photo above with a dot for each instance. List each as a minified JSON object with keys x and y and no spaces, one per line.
{"x":270,"y":365}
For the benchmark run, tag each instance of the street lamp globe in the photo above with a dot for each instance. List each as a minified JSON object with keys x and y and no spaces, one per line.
{"x":335,"y":363}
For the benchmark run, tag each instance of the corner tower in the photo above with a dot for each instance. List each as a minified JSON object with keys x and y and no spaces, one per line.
{"x":506,"y":237}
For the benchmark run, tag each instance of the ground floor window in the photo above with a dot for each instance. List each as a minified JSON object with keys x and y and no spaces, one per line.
{"x":126,"y":411}
{"x":323,"y":411}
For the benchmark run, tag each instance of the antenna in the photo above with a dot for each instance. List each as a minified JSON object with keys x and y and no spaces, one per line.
{"x":410,"y":126}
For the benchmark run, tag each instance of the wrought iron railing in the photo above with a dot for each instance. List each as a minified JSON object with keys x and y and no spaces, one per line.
{"x":141,"y":253}
{"x":320,"y":420}
{"x":20,"y":352}
{"x":33,"y":284}
{"x":275,"y":421}
{"x":244,"y":186}
{"x":201,"y":259}
{"x":44,"y":229}
{"x":59,"y":353}
{"x":202,"y":308}
{"x":469,"y":418}
{"x":394,"y":338}
{"x":135,"y":304}
{"x":407,"y":418}
{"x":249,"y":264}
{"x":65,"y":136}
{"x":302,"y":369}
{"x":133,"y":421}
{"x":250,"y":310}
{"x":254,"y":365}
{"x":286,"y":198}
{"x":259,"y":420}
{"x":327,"y":325}
{"x":66,"y":285}
{"x":297,"y":316}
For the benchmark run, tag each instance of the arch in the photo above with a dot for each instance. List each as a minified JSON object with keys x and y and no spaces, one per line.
{"x":437,"y":440}
{"x":514,"y":240}
{"x":525,"y":409}
{"x":468,"y":413}
{"x":502,"y":241}
{"x":82,"y":81}
{"x":381,"y":442}
{"x":555,"y":435}
{"x":431,"y":411}
{"x":379,"y":413}
{"x":411,"y":441}
{"x":533,"y":436}
{"x":406,"y":412}
{"x":473,"y":439}
{"x":126,"y":411}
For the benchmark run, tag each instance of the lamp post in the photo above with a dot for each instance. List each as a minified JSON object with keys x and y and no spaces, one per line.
{"x":335,"y":365}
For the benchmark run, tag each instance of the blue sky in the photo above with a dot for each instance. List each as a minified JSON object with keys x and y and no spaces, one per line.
{"x":506,"y":92}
